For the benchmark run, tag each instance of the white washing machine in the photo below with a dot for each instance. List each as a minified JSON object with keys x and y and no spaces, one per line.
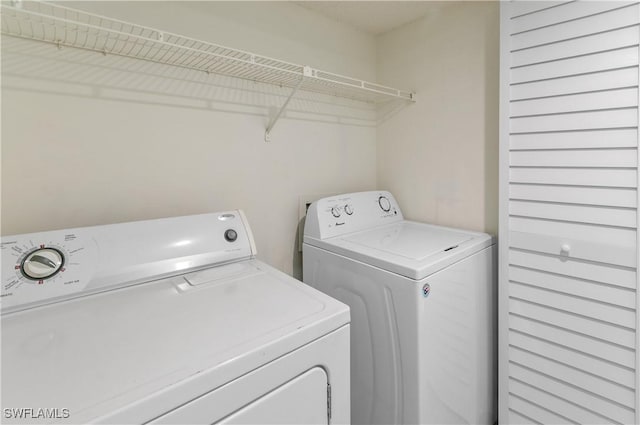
{"x":165,"y":321}
{"x":423,"y":318}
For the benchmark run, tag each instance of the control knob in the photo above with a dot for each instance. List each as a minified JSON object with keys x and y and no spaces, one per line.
{"x":384,"y":203}
{"x":335,"y":211}
{"x":348,"y":209}
{"x":42,"y":263}
{"x":230,"y":235}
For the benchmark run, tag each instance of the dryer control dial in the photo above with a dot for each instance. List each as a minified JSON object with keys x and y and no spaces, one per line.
{"x":335,"y":211}
{"x":42,"y":263}
{"x":384,"y":203}
{"x":348,"y":209}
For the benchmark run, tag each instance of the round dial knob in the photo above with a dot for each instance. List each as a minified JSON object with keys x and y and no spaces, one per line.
{"x":42,"y":263}
{"x":348,"y":209}
{"x":335,"y":211}
{"x":231,"y":235}
{"x":384,"y":203}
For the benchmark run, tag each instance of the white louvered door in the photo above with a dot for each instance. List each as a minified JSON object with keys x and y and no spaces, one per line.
{"x":569,"y":212}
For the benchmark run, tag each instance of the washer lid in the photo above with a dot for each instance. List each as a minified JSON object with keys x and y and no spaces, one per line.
{"x":100,"y":354}
{"x":408,"y":248}
{"x":410,"y":240}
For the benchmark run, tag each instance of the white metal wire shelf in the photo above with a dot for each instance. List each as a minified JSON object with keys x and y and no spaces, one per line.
{"x":69,"y":27}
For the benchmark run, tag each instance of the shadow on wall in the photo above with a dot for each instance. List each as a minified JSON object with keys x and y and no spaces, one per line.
{"x":491,"y":119}
{"x":297,"y":250}
{"x":388,"y":110}
{"x":43,"y":68}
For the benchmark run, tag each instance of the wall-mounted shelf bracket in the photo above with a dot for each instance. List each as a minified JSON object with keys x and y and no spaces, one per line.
{"x":306,"y":72}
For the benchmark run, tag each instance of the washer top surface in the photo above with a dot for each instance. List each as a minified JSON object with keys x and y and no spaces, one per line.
{"x":98,"y":354}
{"x":408,"y":239}
{"x":411,"y":249}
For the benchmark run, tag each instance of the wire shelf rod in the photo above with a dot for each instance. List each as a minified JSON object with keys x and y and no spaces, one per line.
{"x":58,"y":39}
{"x":65,"y":26}
{"x":117,"y":37}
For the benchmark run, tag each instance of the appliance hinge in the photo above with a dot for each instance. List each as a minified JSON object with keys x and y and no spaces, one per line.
{"x":328,"y":403}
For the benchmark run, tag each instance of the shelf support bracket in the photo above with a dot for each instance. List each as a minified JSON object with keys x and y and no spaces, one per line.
{"x":307,"y":72}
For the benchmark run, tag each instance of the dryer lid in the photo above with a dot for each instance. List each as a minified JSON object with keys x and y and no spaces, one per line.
{"x":414,"y":250}
{"x":118,"y":350}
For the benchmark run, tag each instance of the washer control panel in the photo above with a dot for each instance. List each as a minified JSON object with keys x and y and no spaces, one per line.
{"x":40,"y":268}
{"x":348,"y":213}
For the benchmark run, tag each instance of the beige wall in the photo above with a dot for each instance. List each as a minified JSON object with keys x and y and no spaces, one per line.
{"x":439,"y":156}
{"x":90,"y":139}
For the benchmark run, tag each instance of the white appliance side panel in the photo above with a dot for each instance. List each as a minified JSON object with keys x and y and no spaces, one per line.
{"x":290,"y":389}
{"x":379,"y":368}
{"x":569,"y":212}
{"x":457,"y":355}
{"x":400,"y":337}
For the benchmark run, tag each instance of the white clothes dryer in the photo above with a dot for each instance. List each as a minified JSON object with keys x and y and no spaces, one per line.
{"x":165,"y":321}
{"x":423,"y":310}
